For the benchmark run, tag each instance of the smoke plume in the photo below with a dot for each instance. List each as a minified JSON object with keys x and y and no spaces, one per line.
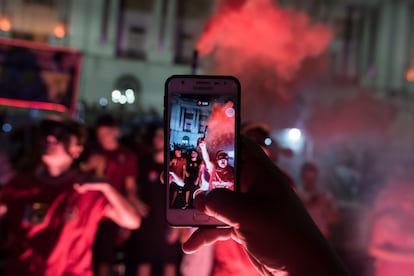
{"x":262,"y":44}
{"x":220,"y":133}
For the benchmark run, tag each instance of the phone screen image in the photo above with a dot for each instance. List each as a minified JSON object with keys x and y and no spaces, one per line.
{"x":202,"y":144}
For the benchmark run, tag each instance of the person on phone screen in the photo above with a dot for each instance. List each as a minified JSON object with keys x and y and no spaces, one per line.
{"x":220,"y":173}
{"x":192,"y":177}
{"x":178,"y":166}
{"x":53,"y":210}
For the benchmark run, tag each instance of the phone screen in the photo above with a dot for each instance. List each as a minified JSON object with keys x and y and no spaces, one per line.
{"x":201,"y":143}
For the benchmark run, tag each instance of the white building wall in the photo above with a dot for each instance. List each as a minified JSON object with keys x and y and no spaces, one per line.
{"x":101,"y":67}
{"x":100,"y":74}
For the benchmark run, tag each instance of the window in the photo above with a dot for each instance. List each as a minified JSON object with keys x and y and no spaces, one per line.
{"x":203,"y":124}
{"x":134,"y":24}
{"x":188,"y":121}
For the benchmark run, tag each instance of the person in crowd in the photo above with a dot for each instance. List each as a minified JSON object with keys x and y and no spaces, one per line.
{"x":192,"y":177}
{"x":268,"y":220}
{"x":178,"y":166}
{"x":95,"y":164}
{"x":392,"y":234}
{"x":155,"y":245}
{"x":119,"y":166}
{"x":320,"y":204}
{"x":54,"y":209}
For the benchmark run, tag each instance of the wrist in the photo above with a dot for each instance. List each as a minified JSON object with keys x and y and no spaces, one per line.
{"x":105,"y":187}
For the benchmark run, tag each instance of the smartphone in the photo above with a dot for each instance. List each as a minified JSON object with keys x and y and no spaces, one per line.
{"x":202,"y":118}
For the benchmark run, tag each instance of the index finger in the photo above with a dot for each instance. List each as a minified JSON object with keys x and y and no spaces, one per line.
{"x":225,"y":205}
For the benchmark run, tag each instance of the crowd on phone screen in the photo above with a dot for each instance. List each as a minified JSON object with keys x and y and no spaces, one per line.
{"x":192,"y":171}
{"x":184,"y":170}
{"x":132,"y":164}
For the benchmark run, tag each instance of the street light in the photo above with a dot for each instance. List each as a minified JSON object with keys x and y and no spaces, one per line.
{"x":59,"y":30}
{"x":294,"y":134}
{"x":5,"y":24}
{"x":123,"y":97}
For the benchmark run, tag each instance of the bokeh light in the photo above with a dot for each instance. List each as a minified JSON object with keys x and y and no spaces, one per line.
{"x":5,"y":24}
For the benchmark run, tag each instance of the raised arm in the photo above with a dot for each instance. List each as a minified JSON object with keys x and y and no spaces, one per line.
{"x":119,"y":209}
{"x":206,"y":157}
{"x":179,"y":181}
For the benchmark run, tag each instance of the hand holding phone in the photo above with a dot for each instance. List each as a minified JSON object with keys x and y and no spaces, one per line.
{"x":202,"y":115}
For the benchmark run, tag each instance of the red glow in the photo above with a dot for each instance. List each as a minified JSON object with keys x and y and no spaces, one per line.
{"x":393,"y":231}
{"x":33,"y":104}
{"x":361,"y":113}
{"x":220,"y":131}
{"x":258,"y":31}
{"x":5,"y":24}
{"x":410,"y":74}
{"x":59,"y":30}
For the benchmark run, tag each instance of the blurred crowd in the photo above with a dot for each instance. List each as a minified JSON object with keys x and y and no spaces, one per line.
{"x":132,"y":164}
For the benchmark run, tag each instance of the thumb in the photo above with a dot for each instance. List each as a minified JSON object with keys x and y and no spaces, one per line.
{"x":223,"y":204}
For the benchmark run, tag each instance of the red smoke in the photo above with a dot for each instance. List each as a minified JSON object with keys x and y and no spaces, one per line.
{"x":244,"y":33}
{"x":362,"y":112}
{"x":220,"y":132}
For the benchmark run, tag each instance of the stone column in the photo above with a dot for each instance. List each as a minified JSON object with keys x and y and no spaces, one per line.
{"x":383,"y":53}
{"x":78,"y":26}
{"x":351,"y":62}
{"x":86,"y":26}
{"x":162,"y":34}
{"x":366,"y":47}
{"x":181,"y":121}
{"x":112,"y":27}
{"x":170,"y":31}
{"x":400,"y":43}
{"x":154,"y":32}
{"x":197,"y":121}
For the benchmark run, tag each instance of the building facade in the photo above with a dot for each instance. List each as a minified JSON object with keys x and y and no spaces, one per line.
{"x":136,"y":45}
{"x":373,"y":42}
